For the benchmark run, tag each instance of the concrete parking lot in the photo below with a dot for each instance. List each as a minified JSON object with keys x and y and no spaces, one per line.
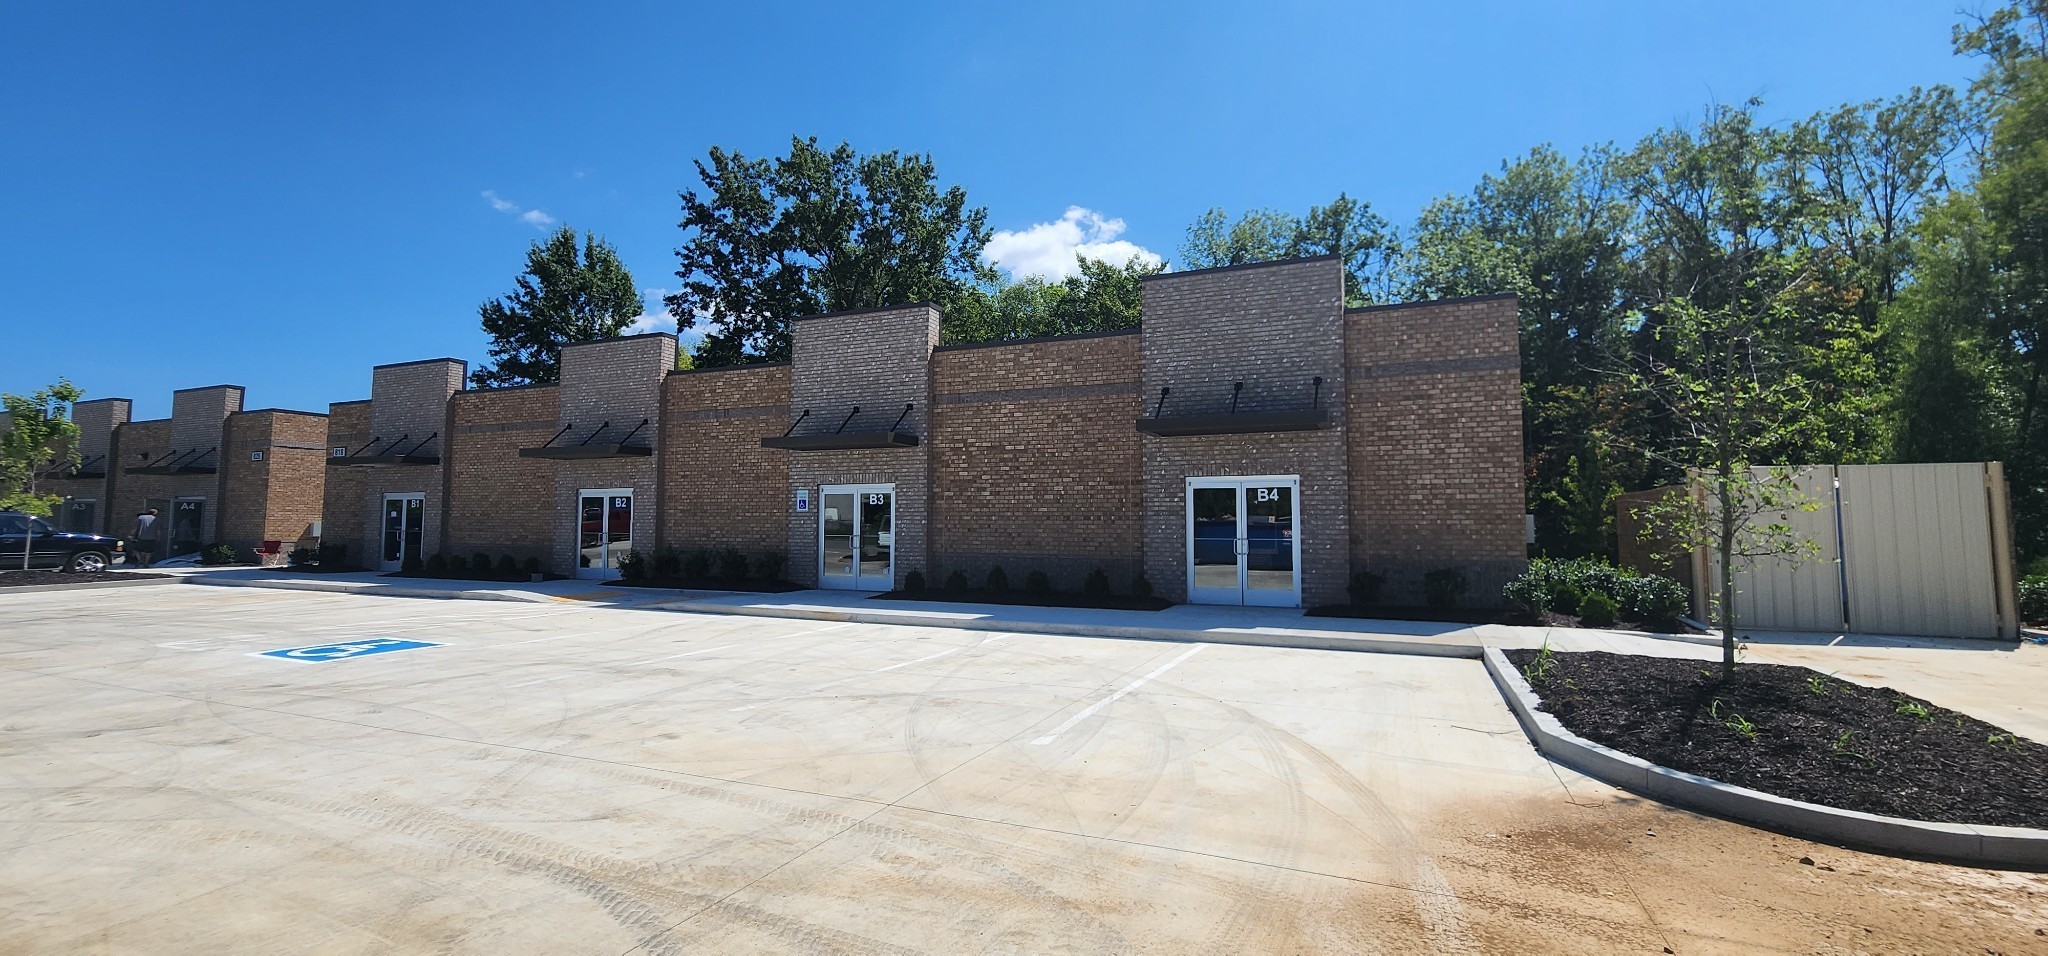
{"x":558,"y":778}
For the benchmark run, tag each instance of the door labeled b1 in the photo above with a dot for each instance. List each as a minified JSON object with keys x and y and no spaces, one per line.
{"x":1244,"y":541}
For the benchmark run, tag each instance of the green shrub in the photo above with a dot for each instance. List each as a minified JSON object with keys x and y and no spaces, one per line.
{"x":668,"y":562}
{"x":217,"y":554}
{"x":303,"y":556}
{"x":2037,"y":568}
{"x":733,"y":564}
{"x":772,"y":565}
{"x":1597,"y":610}
{"x":1443,"y":587}
{"x":633,"y":566}
{"x":412,"y":564}
{"x":530,"y":566}
{"x":997,"y":582}
{"x":2034,"y":600}
{"x":332,"y":555}
{"x":1037,"y":584}
{"x":508,"y":564}
{"x":1655,"y":600}
{"x":1141,"y":586}
{"x":480,"y":563}
{"x":458,"y":565}
{"x":913,"y":582}
{"x":1096,"y":585}
{"x":697,"y":565}
{"x":436,"y":563}
{"x":1526,"y":595}
{"x":956,"y":582}
{"x":1365,"y":588}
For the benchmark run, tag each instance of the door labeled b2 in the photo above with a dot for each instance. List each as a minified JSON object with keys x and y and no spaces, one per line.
{"x":1244,"y":541}
{"x":604,"y":531}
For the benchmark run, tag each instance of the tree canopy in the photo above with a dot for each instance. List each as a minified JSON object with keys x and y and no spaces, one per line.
{"x":564,"y":296}
{"x":39,"y":437}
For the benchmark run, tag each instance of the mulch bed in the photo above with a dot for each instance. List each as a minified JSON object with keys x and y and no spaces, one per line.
{"x":1816,"y":738}
{"x":521,"y":577}
{"x":751,"y":586}
{"x":1464,"y":615}
{"x":1108,"y":602}
{"x":22,"y":579}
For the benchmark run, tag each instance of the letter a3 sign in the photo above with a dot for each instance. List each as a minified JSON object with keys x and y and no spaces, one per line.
{"x":320,"y":653}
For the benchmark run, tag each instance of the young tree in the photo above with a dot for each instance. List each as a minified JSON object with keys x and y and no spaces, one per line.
{"x":562,"y":297}
{"x":815,"y":231}
{"x":40,"y":437}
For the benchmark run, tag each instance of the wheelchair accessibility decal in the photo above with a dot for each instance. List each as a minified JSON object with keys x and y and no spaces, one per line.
{"x":335,"y":652}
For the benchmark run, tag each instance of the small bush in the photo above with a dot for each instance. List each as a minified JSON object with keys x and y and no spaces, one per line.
{"x":913,"y":582}
{"x":668,"y":562}
{"x":697,"y":564}
{"x":480,"y":563}
{"x":1655,"y":600}
{"x":733,"y":564}
{"x":1526,"y":595}
{"x":1141,"y":586}
{"x":1597,"y":610}
{"x":633,"y":566}
{"x":2034,"y":600}
{"x":956,"y":582}
{"x":436,"y":563}
{"x":1096,"y":585}
{"x":1443,"y":587}
{"x":530,"y":566}
{"x":303,"y":556}
{"x":1365,"y":588}
{"x":772,"y":566}
{"x":217,"y":554}
{"x":458,"y":565}
{"x":332,"y":555}
{"x":508,"y":564}
{"x":412,"y":564}
{"x":997,"y":582}
{"x":1037,"y":584}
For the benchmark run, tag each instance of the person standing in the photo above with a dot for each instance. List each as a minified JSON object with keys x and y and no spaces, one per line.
{"x":142,"y":539}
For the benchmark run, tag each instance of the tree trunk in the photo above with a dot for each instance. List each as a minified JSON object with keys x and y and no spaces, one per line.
{"x":1727,"y":545}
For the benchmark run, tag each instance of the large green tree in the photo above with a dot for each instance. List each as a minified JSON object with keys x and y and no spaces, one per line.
{"x":1346,"y":228}
{"x":816,"y":230}
{"x":565,"y":296}
{"x":1099,"y":297}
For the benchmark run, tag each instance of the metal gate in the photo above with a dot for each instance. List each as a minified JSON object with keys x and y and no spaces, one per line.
{"x":1902,"y":549}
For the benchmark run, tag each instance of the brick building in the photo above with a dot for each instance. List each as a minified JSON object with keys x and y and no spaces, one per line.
{"x":1253,"y":442}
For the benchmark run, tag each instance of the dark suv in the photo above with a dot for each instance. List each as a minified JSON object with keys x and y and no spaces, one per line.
{"x":68,"y":550}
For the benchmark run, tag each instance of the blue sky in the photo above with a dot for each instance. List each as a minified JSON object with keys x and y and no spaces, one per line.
{"x":283,"y":195}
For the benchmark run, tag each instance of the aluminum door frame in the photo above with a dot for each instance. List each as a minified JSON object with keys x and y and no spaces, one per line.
{"x":1239,"y":545}
{"x":389,"y":497}
{"x":604,"y":531}
{"x":852,"y":582}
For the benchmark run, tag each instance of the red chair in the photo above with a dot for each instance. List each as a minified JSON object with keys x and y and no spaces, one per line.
{"x":271,"y":555}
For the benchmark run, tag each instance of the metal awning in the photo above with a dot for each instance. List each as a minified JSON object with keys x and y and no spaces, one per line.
{"x":1233,"y":422}
{"x":840,"y":438}
{"x":590,"y":447}
{"x":388,"y":455}
{"x":191,"y":462}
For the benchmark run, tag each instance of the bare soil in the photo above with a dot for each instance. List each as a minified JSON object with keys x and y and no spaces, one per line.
{"x":1797,"y":733}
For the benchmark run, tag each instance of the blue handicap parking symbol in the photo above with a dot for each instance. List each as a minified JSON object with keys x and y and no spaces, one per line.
{"x":347,"y":649}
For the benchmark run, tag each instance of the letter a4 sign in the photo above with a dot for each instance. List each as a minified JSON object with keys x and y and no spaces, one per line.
{"x":320,"y":653}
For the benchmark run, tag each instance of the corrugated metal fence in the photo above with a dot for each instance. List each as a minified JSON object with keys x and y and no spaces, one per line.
{"x":1902,"y":549}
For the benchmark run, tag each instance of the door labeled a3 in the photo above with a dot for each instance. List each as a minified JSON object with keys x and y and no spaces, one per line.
{"x":1244,"y":541}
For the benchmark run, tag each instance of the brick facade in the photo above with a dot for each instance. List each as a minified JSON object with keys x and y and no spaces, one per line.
{"x":1035,"y":464}
{"x":611,"y":390}
{"x":407,"y":415}
{"x":500,"y":503}
{"x":720,"y":488}
{"x":876,"y":360}
{"x":273,"y":475}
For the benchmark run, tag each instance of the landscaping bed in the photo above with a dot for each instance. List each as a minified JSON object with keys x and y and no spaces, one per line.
{"x":1106,"y":602}
{"x":1453,"y":615}
{"x":1796,"y":733}
{"x":503,"y":577}
{"x":23,"y":579}
{"x":751,"y":586}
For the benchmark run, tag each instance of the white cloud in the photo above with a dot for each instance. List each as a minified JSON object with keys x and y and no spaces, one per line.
{"x":1048,"y":249}
{"x":654,"y":316}
{"x":532,"y":217}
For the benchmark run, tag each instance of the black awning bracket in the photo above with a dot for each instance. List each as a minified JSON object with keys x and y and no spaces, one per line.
{"x":849,"y":417}
{"x":607,"y":423}
{"x":635,"y":431}
{"x":1236,"y":389}
{"x":907,"y":406}
{"x":799,"y":421}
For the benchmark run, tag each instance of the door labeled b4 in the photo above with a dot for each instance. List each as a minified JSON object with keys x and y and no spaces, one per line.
{"x":1244,"y":541}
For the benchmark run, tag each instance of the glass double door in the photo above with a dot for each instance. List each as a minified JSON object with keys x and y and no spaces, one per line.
{"x":180,"y":526}
{"x":604,"y":531}
{"x":857,"y":544}
{"x":1244,"y":541}
{"x":405,"y":522}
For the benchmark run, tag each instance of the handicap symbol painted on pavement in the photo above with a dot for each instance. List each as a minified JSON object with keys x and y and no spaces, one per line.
{"x":334,"y":652}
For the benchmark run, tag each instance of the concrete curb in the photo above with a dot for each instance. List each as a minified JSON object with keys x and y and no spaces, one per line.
{"x":1369,"y":645}
{"x":86,"y":586}
{"x":372,"y":590}
{"x":1971,"y":845}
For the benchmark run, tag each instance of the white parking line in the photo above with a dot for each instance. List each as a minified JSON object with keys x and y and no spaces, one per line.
{"x":687,"y":654}
{"x":845,"y":680}
{"x":546,"y":679}
{"x":1113,"y":698}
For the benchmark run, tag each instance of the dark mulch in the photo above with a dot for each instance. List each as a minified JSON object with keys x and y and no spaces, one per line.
{"x":751,"y":586}
{"x":22,"y":579}
{"x":320,"y":568}
{"x":1944,"y":767}
{"x":1107,"y":602}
